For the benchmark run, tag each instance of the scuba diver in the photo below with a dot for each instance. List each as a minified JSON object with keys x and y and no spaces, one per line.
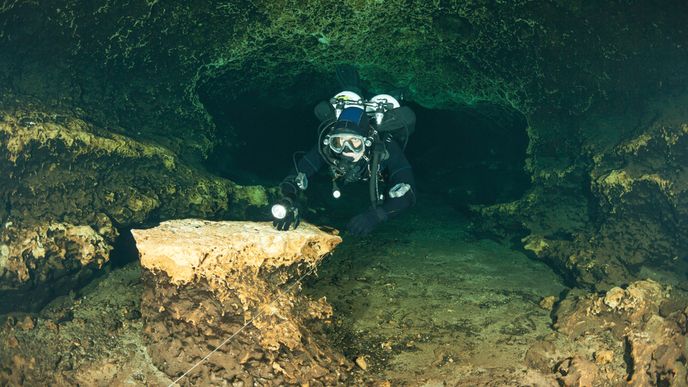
{"x":358,"y":140}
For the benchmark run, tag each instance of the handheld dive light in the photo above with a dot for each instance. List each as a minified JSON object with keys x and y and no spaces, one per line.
{"x":282,"y":208}
{"x":279,"y":211}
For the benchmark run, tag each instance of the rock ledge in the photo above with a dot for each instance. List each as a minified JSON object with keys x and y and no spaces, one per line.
{"x":204,"y":280}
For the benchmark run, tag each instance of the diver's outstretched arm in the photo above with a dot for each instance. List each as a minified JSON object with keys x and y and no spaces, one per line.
{"x":403,"y":185}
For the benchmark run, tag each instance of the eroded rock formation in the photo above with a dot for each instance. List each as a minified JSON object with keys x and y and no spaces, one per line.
{"x":102,"y":125}
{"x":68,"y":186}
{"x":205,"y":280}
{"x":634,"y":336}
{"x":640,"y":188}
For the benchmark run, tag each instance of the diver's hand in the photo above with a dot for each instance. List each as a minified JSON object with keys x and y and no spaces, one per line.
{"x":286,"y":214}
{"x":363,"y":224}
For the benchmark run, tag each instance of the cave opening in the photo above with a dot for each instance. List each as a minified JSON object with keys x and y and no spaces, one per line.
{"x":258,"y":138}
{"x":462,"y":156}
{"x":258,"y":128}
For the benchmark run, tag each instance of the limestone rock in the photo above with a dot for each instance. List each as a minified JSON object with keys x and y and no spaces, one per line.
{"x":67,"y":187}
{"x":51,"y":255}
{"x":595,"y":331}
{"x":604,"y":357}
{"x":212,"y":249}
{"x":361,"y":362}
{"x":205,"y":280}
{"x":543,"y":356}
{"x":638,"y":190}
{"x":548,"y":302}
{"x":578,"y":372}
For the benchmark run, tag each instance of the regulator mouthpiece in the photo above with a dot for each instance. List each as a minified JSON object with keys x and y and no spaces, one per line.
{"x":279,"y":211}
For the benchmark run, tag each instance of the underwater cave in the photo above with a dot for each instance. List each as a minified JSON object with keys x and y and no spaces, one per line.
{"x":142,"y":145}
{"x":462,"y":156}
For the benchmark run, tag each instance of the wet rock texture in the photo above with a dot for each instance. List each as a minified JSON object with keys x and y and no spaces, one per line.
{"x":639,"y":189}
{"x":68,"y":186}
{"x":629,"y":336}
{"x":102,"y":129}
{"x":205,"y":280}
{"x":90,"y":338}
{"x":55,"y":255}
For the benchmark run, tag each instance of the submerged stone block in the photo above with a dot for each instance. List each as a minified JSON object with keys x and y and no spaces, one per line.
{"x":236,"y":283}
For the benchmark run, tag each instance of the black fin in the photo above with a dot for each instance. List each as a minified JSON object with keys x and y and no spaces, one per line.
{"x":348,"y":78}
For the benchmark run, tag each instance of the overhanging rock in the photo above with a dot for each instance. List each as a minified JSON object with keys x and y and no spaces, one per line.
{"x":204,"y":280}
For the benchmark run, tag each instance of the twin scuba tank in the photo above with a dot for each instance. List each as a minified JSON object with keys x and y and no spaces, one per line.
{"x":377,"y":108}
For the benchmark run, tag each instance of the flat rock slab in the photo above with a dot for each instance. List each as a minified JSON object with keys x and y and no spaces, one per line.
{"x":189,"y":248}
{"x":205,"y":281}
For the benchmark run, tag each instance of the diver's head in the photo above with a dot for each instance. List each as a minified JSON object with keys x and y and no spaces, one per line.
{"x":348,"y":135}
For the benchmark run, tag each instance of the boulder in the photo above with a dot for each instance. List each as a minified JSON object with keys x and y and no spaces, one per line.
{"x":236,"y":285}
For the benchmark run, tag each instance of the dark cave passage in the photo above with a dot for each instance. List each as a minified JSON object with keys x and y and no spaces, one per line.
{"x":258,"y":138}
{"x":260,"y":127}
{"x":468,"y":155}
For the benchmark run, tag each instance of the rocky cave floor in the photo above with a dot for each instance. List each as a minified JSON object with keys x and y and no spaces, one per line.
{"x":420,"y":302}
{"x":423,"y":302}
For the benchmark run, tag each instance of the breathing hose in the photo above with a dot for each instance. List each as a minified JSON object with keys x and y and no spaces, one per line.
{"x":373,"y":184}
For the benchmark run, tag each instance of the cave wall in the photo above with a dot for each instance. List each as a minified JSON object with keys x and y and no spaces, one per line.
{"x":589,"y":77}
{"x":69,"y":187}
{"x":636,"y":225}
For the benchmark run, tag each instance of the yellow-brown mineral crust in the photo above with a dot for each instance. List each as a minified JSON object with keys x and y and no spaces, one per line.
{"x":632,"y":336}
{"x":205,"y":280}
{"x":67,"y":188}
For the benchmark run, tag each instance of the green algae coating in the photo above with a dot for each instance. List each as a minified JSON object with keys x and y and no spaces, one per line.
{"x":67,"y":175}
{"x":255,"y":195}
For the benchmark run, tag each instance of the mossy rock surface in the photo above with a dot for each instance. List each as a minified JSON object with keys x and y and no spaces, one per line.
{"x":72,"y":186}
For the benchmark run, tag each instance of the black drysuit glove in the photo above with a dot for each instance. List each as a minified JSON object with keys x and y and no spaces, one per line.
{"x":363,"y":224}
{"x":288,"y":214}
{"x":291,"y":214}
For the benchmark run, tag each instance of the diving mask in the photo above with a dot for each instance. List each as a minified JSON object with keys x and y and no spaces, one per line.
{"x":347,"y":142}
